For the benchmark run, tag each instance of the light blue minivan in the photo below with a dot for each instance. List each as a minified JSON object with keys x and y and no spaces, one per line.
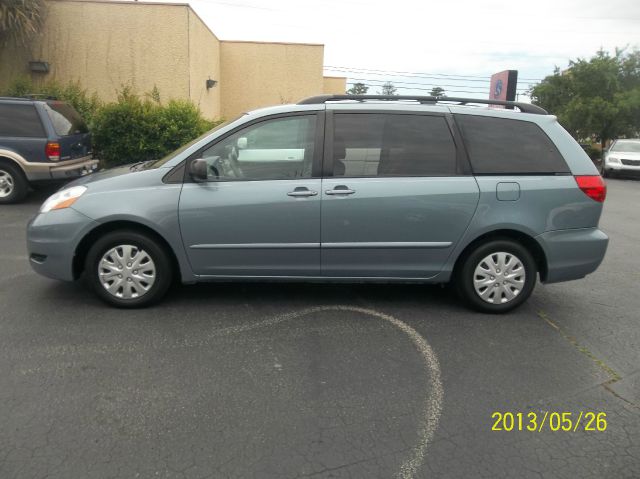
{"x":340,"y":188}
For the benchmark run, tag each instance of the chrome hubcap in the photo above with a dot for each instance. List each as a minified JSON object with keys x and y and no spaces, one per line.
{"x":6,"y":184}
{"x":499,"y":278}
{"x":127,"y":272}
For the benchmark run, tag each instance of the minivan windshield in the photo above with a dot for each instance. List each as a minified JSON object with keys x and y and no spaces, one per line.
{"x":632,"y":146}
{"x":65,"y":119}
{"x":164,"y":159}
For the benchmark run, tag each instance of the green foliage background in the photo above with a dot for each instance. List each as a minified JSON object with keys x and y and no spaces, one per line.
{"x":133,"y":128}
{"x":596,"y":99}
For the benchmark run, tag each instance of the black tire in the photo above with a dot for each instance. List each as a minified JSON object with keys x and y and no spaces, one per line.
{"x":19,"y":184}
{"x":603,"y":171}
{"x":141,"y":242}
{"x":464,"y":277}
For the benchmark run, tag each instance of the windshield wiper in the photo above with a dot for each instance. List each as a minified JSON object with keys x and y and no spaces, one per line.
{"x":138,"y":166}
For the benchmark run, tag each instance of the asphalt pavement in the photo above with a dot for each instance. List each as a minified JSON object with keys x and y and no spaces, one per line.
{"x":250,"y":380}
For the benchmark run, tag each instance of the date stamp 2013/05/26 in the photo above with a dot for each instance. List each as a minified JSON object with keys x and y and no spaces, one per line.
{"x":550,"y":421}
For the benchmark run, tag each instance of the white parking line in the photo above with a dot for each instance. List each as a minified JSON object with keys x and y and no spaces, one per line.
{"x":433,"y":403}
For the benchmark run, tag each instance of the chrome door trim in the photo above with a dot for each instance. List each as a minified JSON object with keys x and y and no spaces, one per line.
{"x":391,"y":244}
{"x":346,"y":245}
{"x":256,"y":246}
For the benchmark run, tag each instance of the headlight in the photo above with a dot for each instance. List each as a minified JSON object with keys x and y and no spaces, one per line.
{"x":63,"y":198}
{"x":611,"y":159}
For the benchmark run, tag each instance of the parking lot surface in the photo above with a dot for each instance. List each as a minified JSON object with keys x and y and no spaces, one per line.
{"x":245,"y":380}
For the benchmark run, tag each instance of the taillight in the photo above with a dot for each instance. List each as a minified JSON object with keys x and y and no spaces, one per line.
{"x":592,"y":186}
{"x":52,"y":150}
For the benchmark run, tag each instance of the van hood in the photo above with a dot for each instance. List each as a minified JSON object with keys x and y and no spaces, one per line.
{"x":625,"y":155}
{"x":106,"y":174}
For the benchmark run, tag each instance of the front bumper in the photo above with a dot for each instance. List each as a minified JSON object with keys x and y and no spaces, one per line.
{"x":572,"y":254}
{"x":623,"y":166}
{"x":64,"y":170}
{"x":52,"y":239}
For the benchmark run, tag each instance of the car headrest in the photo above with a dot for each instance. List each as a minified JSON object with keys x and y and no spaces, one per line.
{"x":339,"y":150}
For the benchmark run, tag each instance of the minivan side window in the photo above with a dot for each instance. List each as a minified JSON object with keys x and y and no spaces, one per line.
{"x":276,"y":149}
{"x":503,"y":146}
{"x":380,"y":144}
{"x":20,"y":121}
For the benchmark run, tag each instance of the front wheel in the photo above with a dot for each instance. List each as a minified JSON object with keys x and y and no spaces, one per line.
{"x":497,"y":276}
{"x":128,"y":269}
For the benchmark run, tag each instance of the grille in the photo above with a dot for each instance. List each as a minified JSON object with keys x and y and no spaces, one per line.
{"x":631,"y":162}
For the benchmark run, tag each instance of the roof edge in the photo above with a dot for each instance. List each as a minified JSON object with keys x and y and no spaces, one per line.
{"x":128,"y":2}
{"x":271,"y":43}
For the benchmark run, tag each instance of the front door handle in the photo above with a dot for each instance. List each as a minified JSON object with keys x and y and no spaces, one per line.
{"x":340,"y":190}
{"x":301,"y":191}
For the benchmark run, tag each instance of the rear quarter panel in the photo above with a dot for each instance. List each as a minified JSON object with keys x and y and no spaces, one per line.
{"x":546,"y":203}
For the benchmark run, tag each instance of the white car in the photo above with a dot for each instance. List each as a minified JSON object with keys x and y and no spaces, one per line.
{"x":622,"y":157}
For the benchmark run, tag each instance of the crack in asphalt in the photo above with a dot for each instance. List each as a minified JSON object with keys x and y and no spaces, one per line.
{"x":612,"y":373}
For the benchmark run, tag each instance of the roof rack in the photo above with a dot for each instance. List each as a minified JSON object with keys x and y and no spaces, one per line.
{"x":39,"y":96}
{"x":523,"y":107}
{"x":29,"y":97}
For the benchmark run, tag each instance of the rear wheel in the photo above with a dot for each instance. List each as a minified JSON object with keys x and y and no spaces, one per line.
{"x":128,"y":269}
{"x":497,"y":276}
{"x":13,"y":184}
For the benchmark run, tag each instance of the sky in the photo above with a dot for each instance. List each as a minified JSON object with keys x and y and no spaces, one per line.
{"x":454,"y":44}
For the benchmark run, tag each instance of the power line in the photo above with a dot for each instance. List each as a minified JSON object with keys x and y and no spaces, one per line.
{"x":369,"y":85}
{"x":447,"y":76}
{"x":481,"y":87}
{"x":392,"y":73}
{"x":333,"y":67}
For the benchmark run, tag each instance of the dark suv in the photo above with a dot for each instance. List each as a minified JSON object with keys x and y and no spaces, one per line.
{"x":40,"y":140}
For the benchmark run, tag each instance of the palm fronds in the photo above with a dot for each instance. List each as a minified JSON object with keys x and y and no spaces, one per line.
{"x":20,"y":20}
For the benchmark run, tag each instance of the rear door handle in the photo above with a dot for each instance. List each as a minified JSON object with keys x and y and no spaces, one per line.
{"x":340,"y":190}
{"x":301,"y":191}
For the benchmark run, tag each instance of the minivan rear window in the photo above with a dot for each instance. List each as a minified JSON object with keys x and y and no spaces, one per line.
{"x":509,"y":147}
{"x":65,"y":119}
{"x":20,"y":120}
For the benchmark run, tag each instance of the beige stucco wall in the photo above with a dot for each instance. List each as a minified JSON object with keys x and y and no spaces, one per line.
{"x":257,"y":74}
{"x":334,"y":85}
{"x":204,"y":63}
{"x":105,"y":45}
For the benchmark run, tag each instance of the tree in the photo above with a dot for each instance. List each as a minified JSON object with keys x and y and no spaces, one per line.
{"x":20,"y":20}
{"x":597,"y":98}
{"x":358,"y":89}
{"x":388,"y":89}
{"x":437,"y":91}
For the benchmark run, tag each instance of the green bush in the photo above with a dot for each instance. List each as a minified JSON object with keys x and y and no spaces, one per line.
{"x":139,"y":129}
{"x":131,"y":129}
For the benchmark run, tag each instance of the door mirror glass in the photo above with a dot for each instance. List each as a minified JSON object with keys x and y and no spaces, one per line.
{"x":198,"y":170}
{"x":242,"y":143}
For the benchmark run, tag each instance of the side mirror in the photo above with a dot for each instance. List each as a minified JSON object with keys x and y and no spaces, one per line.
{"x":242,"y":143}
{"x":198,"y":170}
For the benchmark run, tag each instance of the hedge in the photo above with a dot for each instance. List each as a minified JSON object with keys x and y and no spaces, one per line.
{"x":133,"y":128}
